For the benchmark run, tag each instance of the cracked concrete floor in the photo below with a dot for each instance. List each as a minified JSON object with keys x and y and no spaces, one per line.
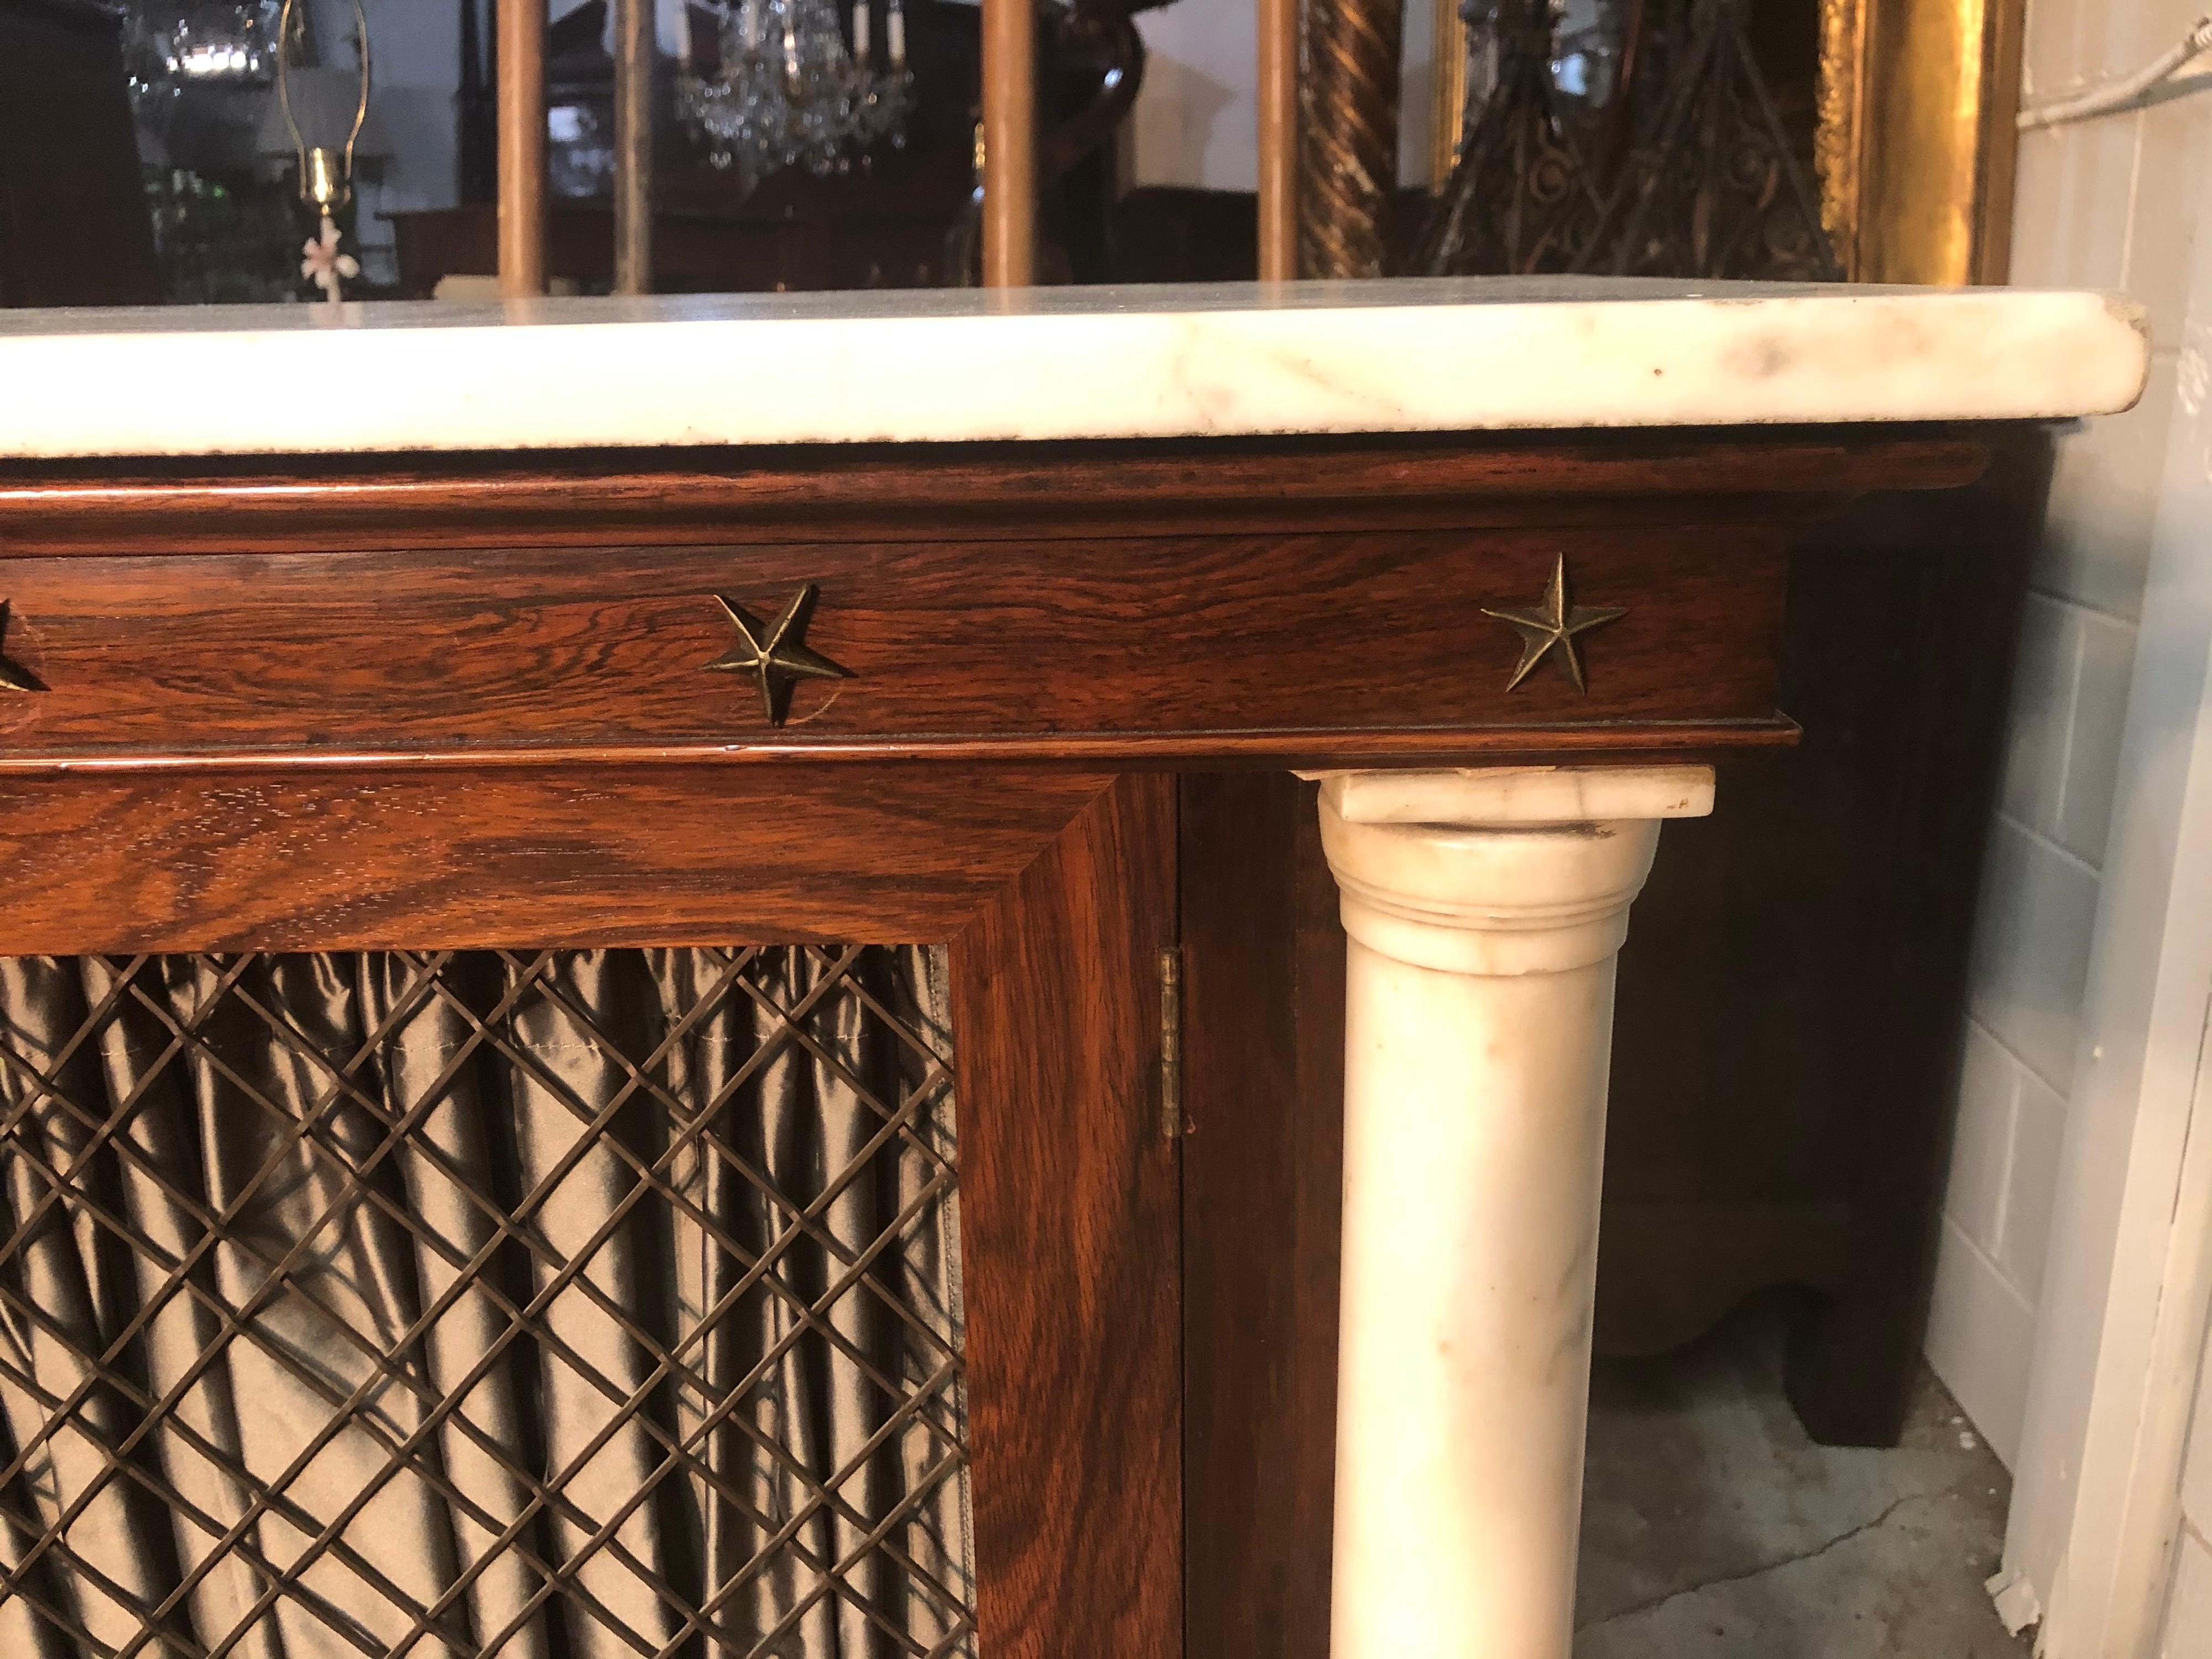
{"x":1713,"y":1528}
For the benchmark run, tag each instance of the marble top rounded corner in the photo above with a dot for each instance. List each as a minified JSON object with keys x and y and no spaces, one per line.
{"x":1238,"y":360}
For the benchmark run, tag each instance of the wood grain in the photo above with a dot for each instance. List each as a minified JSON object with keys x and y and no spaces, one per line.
{"x":593,"y":856}
{"x":916,"y":492}
{"x":410,"y":703}
{"x":1068,"y":1229}
{"x":1687,"y":741}
{"x":1210,"y":639}
{"x":1263,"y":1085}
{"x":1348,"y":135}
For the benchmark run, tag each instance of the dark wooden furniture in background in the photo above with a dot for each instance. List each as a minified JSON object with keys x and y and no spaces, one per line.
{"x":1037,"y":634}
{"x":1793,"y":995}
{"x":74,"y":228}
{"x":883,"y":229}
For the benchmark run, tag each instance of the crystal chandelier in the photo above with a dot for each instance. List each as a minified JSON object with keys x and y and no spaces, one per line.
{"x":213,"y":42}
{"x":788,"y":93}
{"x":220,"y":41}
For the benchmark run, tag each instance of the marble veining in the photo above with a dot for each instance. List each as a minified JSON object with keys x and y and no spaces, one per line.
{"x":1478,"y":1009}
{"x":1169,"y":362}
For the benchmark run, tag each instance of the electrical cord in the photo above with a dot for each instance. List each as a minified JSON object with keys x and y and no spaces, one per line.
{"x":2126,"y":92}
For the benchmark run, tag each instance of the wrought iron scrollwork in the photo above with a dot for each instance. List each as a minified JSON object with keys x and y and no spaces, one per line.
{"x":1690,"y":171}
{"x":1714,"y":188}
{"x":1522,"y":198}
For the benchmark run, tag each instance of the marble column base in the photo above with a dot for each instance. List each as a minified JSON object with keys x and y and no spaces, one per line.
{"x":1485,"y":909}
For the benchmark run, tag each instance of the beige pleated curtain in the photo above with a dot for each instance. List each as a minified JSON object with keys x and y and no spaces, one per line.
{"x":552,"y":1306}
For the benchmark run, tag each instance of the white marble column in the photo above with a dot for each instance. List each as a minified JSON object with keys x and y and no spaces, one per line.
{"x":1485,"y":909}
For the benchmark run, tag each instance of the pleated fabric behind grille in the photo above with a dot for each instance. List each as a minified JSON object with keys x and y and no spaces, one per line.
{"x":548,"y":1305}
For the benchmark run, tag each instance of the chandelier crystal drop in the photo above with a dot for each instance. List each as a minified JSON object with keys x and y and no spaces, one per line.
{"x":169,"y":46}
{"x":788,"y":93}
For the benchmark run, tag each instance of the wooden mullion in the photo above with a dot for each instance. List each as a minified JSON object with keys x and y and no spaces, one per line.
{"x":1263,"y":1087}
{"x":1069,"y":1225}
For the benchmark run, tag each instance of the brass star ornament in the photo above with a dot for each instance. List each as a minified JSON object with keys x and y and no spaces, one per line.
{"x":14,"y":677}
{"x":1551,"y":626}
{"x":773,"y":654}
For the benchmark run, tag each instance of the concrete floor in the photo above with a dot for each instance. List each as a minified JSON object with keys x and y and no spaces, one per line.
{"x":1714,"y":1529}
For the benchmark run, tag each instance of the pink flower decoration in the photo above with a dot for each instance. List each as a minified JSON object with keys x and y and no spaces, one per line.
{"x":324,"y":267}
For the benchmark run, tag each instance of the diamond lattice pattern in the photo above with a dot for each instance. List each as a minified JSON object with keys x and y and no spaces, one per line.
{"x":548,"y":1305}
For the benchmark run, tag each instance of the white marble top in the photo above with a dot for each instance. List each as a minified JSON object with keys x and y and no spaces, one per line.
{"x":965,"y":365}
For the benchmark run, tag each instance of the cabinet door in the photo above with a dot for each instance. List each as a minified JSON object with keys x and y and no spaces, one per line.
{"x":623,"y":1171}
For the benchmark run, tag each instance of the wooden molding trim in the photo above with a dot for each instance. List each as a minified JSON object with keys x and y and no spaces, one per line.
{"x":1308,"y":649}
{"x":558,"y":856}
{"x":248,"y":504}
{"x":1218,"y":750}
{"x":1070,"y":1236}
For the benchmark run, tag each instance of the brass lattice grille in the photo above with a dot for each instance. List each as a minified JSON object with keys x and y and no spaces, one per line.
{"x":565,"y":1304}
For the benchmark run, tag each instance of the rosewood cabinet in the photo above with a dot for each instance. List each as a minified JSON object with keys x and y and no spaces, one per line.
{"x":469,"y":702}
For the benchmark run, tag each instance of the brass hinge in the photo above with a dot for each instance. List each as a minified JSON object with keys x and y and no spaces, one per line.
{"x":1172,"y":1124}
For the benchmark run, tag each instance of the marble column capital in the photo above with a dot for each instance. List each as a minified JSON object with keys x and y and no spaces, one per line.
{"x":1499,"y":870}
{"x":1483,"y":908}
